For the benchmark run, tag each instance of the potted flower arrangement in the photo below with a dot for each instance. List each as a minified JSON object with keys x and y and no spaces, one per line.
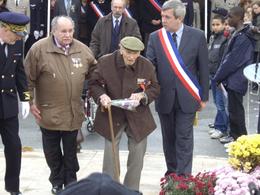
{"x":244,"y":161}
{"x":244,"y":167}
{"x":201,"y":184}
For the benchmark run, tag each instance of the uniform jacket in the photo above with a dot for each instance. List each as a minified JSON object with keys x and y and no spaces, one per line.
{"x":38,"y":18}
{"x":12,"y":80}
{"x":239,"y":54}
{"x":101,"y":35}
{"x":194,"y":52}
{"x":74,"y":12}
{"x":109,"y":79}
{"x":58,"y":82}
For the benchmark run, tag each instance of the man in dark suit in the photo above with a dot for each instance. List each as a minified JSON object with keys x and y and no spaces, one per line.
{"x":111,"y":28}
{"x":69,"y":8}
{"x":12,"y":81}
{"x":182,"y":72}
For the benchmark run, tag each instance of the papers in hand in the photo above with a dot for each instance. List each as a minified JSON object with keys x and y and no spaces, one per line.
{"x":126,"y":104}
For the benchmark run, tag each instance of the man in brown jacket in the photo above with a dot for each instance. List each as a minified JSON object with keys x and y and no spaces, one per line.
{"x":112,"y":28}
{"x":56,"y":68}
{"x":118,"y":76}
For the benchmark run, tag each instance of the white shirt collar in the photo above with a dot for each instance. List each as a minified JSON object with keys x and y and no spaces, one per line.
{"x":114,"y":20}
{"x":179,"y":35}
{"x":179,"y":31}
{"x":1,"y":42}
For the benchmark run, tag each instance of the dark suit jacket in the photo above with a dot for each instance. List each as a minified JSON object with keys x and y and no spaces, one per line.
{"x":12,"y":80}
{"x":74,"y":13}
{"x":101,"y":35}
{"x":194,"y":52}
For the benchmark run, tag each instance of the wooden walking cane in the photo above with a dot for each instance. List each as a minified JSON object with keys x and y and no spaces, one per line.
{"x":116,"y":164}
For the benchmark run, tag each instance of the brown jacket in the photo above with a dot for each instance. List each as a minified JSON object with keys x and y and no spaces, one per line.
{"x":58,"y":82}
{"x":111,"y":77}
{"x":101,"y":35}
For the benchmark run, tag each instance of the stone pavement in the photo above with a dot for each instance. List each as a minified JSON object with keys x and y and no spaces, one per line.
{"x":35,"y":173}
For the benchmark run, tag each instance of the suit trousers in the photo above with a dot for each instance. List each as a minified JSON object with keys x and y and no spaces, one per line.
{"x":12,"y":150}
{"x":236,"y":114}
{"x":177,"y":134}
{"x":62,"y":161}
{"x":134,"y":162}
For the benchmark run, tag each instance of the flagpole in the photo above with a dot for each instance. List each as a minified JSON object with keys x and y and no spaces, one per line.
{"x":48,"y":17}
{"x":206,"y":18}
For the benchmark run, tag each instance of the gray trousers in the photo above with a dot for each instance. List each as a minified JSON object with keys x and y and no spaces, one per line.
{"x":134,"y":162}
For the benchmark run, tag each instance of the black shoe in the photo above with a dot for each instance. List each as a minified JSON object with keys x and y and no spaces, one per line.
{"x":56,"y":189}
{"x":15,"y":193}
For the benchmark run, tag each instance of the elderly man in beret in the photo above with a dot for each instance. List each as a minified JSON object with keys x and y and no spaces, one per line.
{"x":120,"y":75}
{"x":12,"y":81}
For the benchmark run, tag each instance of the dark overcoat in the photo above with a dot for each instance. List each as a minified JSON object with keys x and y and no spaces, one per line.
{"x":101,"y":35}
{"x":108,"y":79}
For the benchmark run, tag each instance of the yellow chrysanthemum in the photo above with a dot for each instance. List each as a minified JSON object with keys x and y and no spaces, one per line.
{"x":244,"y":153}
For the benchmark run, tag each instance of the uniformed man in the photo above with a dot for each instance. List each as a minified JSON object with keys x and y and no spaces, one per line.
{"x":12,"y":81}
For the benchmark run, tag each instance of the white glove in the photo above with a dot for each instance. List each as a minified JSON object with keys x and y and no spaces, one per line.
{"x":36,"y":34}
{"x":41,"y":33}
{"x":25,"y":109}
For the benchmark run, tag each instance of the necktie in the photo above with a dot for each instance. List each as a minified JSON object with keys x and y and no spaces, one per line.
{"x":174,"y":37}
{"x":116,"y":28}
{"x":2,"y":54}
{"x":68,"y":7}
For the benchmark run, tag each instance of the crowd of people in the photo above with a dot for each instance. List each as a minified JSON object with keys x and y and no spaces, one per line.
{"x":144,"y":51}
{"x":233,"y":45}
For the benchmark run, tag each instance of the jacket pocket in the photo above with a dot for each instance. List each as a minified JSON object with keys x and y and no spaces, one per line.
{"x":51,"y":116}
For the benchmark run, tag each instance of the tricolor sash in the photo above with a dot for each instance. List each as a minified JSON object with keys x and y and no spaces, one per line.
{"x":96,"y":9}
{"x":174,"y":58}
{"x":128,"y":13}
{"x":156,"y":5}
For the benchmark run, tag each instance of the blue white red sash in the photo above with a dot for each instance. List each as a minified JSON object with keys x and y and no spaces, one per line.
{"x":96,"y":9}
{"x":156,"y":5}
{"x":128,"y":13}
{"x":174,"y":58}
